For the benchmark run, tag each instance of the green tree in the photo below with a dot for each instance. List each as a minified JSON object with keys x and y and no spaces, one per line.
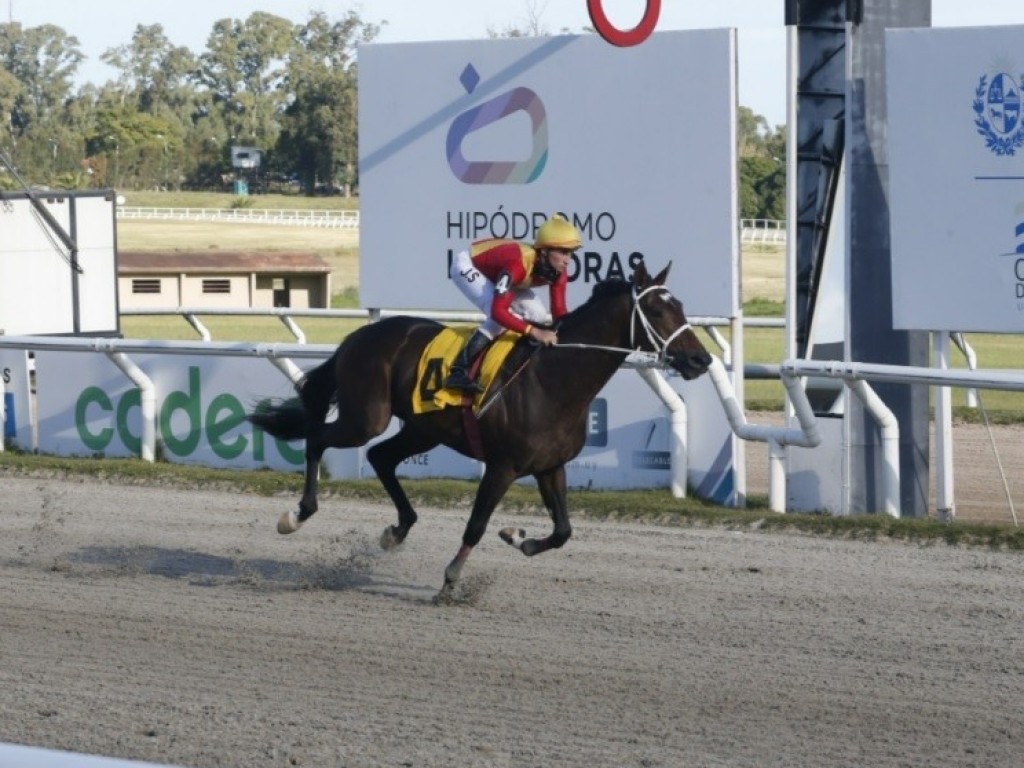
{"x":137,"y":147}
{"x":38,"y":65}
{"x":762,"y":166}
{"x":155,"y":77}
{"x":244,"y":69}
{"x":153,"y":72}
{"x":320,"y":136}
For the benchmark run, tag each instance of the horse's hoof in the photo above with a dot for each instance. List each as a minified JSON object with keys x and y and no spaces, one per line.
{"x":288,"y":523}
{"x":446,"y":595}
{"x":513,"y":536}
{"x":390,"y":538}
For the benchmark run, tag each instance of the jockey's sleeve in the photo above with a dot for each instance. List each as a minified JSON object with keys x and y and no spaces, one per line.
{"x":557,"y":294}
{"x":501,"y":306}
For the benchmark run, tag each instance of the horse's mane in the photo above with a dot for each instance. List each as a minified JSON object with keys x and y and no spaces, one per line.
{"x":613,"y":286}
{"x":602,"y":291}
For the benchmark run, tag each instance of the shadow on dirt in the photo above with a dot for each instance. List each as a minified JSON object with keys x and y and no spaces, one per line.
{"x":200,"y":569}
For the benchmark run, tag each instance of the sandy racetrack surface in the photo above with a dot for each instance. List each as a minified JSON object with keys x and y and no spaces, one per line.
{"x":177,"y":626}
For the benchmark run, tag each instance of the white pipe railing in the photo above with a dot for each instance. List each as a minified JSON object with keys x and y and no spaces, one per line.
{"x":678,"y":420}
{"x":972,"y":362}
{"x":890,"y":429}
{"x":790,"y":371}
{"x":851,"y":372}
{"x":982,"y":378}
{"x":777,"y":438}
{"x":147,"y":404}
{"x":280,"y":356}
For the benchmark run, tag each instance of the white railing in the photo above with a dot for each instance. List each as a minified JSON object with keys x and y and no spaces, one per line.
{"x":119,"y":352}
{"x":322,"y":219}
{"x":762,"y":231}
{"x":287,"y":314}
{"x":751,"y":230}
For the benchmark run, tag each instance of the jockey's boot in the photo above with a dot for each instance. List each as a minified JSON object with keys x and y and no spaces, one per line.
{"x":458,"y":376}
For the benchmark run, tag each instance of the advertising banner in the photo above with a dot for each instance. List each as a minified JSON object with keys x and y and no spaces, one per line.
{"x":201,"y":407}
{"x":956,"y":160}
{"x":14,"y":373}
{"x":462,"y":141}
{"x":202,"y":402}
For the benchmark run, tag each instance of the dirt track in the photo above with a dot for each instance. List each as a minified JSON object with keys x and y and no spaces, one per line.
{"x":177,"y":626}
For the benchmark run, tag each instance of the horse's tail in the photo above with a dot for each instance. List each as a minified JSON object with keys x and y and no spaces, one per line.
{"x":289,"y":419}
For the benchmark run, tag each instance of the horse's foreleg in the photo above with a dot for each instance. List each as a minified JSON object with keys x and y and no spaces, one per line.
{"x":493,"y":486}
{"x":385,"y":457}
{"x":553,"y":492}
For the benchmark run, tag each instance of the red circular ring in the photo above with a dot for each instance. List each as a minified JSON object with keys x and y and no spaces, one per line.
{"x":627,"y":37}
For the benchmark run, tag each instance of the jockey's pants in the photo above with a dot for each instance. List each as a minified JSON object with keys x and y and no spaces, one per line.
{"x":476,"y":287}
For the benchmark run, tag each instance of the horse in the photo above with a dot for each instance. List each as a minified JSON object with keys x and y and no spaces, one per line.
{"x":534,"y":425}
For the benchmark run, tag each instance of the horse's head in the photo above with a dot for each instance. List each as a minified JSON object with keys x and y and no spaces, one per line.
{"x":660,"y":325}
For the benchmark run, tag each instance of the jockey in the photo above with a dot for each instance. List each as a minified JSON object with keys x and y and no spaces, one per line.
{"x":497,"y":276}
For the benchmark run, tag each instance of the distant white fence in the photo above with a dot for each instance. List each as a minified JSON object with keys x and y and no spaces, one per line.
{"x":279,"y":216}
{"x":762,"y":231}
{"x":751,"y":230}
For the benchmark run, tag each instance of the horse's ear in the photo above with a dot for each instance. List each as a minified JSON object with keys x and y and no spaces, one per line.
{"x":663,"y":275}
{"x":640,"y":277}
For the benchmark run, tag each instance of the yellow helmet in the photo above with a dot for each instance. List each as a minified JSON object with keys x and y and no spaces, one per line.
{"x":556,"y":232}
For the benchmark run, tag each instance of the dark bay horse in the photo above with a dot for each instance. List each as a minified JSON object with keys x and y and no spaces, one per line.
{"x":535,"y":425}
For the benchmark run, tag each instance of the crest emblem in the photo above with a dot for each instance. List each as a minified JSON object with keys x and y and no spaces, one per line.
{"x":997,"y":113}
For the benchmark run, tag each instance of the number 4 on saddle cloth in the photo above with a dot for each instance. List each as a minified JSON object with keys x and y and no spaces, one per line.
{"x":430,"y":394}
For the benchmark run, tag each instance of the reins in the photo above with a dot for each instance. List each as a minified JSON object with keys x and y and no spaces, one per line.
{"x":659,"y":343}
{"x":491,"y":400}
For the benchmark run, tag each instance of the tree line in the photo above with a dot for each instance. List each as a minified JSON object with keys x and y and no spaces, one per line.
{"x":169,"y":118}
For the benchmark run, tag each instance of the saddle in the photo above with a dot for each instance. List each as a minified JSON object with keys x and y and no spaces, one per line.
{"x":436,"y":360}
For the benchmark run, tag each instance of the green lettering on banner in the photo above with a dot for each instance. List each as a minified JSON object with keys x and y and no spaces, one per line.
{"x":93,"y":396}
{"x":132,"y":399}
{"x":224,"y":414}
{"x":295,"y":456}
{"x":217,"y":427}
{"x":189,"y":403}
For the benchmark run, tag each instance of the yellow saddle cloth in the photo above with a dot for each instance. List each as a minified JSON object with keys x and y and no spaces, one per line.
{"x":436,"y":360}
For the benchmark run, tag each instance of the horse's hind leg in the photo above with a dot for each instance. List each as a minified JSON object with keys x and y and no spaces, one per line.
{"x":320,"y":437}
{"x":385,"y":457}
{"x":553,"y":491}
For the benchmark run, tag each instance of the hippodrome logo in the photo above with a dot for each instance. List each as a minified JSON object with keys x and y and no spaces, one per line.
{"x":497,"y":171}
{"x":997,"y":114}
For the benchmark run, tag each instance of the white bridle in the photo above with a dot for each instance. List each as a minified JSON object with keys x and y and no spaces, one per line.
{"x":660,"y":343}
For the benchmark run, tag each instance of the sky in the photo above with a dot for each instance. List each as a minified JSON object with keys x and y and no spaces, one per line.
{"x":103,"y":24}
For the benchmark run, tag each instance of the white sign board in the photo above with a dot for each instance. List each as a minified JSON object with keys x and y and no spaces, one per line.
{"x":956,"y":160}
{"x":40,"y":291}
{"x":461,"y":141}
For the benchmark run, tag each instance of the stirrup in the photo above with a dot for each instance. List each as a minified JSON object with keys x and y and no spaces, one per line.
{"x":460,"y":380}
